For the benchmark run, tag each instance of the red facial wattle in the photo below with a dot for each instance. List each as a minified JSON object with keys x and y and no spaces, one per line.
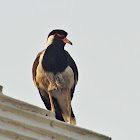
{"x":65,"y":40}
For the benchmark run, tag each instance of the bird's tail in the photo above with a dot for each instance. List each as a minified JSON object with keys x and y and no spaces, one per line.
{"x":69,"y":117}
{"x":62,"y":116}
{"x":58,"y":111}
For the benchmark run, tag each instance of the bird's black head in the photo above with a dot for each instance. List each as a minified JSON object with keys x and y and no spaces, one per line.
{"x":59,"y":37}
{"x":58,"y":31}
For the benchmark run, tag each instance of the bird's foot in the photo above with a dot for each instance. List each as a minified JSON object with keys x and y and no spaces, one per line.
{"x":53,"y":110}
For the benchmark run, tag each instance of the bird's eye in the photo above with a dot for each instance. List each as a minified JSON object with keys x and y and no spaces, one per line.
{"x":55,"y":35}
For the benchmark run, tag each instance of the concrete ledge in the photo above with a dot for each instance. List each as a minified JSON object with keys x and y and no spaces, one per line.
{"x":24,"y":106}
{"x":31,"y":131}
{"x":5,"y":135}
{"x":20,"y":120}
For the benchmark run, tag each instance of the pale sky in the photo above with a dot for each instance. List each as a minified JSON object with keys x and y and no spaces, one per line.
{"x":106,"y":48}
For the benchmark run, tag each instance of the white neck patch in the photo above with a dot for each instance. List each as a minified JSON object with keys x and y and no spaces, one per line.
{"x":50,"y":40}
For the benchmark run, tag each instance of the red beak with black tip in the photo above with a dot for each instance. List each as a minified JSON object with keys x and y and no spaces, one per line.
{"x":65,"y":40}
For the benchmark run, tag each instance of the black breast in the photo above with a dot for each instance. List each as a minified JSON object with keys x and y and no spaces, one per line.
{"x":54,"y":60}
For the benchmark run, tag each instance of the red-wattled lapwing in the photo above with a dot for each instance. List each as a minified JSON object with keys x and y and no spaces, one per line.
{"x":55,"y":75}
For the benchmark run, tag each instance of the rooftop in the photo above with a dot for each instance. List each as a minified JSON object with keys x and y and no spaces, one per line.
{"x":22,"y":121}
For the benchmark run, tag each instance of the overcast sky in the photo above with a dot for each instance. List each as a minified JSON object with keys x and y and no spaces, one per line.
{"x":106,"y":48}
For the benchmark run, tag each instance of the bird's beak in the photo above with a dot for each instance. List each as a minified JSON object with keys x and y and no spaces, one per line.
{"x":65,"y":40}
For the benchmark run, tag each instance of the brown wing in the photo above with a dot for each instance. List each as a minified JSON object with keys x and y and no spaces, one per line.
{"x":35,"y":64}
{"x":72,"y":64}
{"x":43,"y":93}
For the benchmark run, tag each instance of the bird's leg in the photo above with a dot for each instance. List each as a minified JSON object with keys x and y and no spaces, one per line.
{"x":51,"y":102}
{"x":69,"y":105}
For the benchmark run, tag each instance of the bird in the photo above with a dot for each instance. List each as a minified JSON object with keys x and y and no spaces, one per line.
{"x":55,"y":74}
